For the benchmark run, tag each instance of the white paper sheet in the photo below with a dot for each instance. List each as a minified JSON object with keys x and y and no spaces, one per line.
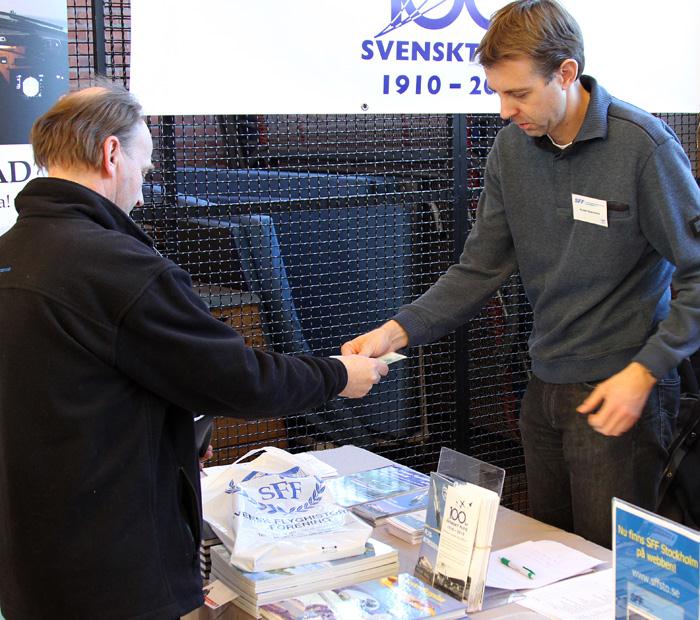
{"x":551,"y":561}
{"x":587,"y":597}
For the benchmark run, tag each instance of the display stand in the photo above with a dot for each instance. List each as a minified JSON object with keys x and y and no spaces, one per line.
{"x":463,"y":468}
{"x":460,"y":519}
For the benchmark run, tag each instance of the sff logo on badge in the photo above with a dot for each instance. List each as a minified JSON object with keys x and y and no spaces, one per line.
{"x":590,"y":210}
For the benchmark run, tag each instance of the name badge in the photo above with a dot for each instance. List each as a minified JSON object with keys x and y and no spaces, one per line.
{"x":590,"y":210}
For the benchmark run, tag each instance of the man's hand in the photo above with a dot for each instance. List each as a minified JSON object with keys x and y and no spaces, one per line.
{"x":363,"y":373}
{"x":619,"y":400}
{"x":385,"y":339}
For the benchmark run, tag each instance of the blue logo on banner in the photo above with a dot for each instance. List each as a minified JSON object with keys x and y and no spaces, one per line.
{"x":405,"y":12}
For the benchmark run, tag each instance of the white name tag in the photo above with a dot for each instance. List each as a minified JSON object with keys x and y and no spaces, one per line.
{"x":590,"y":210}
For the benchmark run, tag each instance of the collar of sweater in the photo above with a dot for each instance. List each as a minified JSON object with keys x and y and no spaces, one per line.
{"x":52,"y":197}
{"x":595,"y":123}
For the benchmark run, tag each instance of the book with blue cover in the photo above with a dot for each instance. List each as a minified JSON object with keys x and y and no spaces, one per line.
{"x":375,"y":484}
{"x":403,"y":597}
{"x":377,"y":512}
{"x":656,"y":563}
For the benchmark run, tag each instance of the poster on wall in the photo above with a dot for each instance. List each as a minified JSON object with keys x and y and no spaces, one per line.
{"x":386,"y":56}
{"x":33,"y":75}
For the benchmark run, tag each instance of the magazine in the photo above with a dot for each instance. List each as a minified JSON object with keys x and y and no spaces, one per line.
{"x":401,"y":596}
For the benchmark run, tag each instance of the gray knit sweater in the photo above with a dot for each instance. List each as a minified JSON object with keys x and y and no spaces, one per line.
{"x":600,"y":295}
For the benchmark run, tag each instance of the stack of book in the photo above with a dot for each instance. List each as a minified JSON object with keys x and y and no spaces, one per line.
{"x":257,"y":588}
{"x":402,"y":596}
{"x":408,"y":527}
{"x":209,"y":539}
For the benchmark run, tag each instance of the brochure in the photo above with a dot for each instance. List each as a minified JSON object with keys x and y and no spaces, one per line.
{"x":408,"y":527}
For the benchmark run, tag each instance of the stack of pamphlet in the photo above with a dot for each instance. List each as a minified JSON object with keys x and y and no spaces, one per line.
{"x":459,"y":525}
{"x":403,"y":597}
{"x":257,"y":588}
{"x":376,"y":484}
{"x":408,"y":527}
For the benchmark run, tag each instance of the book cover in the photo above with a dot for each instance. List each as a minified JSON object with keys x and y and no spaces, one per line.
{"x":427,"y":556}
{"x":656,"y":564}
{"x":403,"y":597}
{"x":377,"y":512}
{"x":375,"y":484}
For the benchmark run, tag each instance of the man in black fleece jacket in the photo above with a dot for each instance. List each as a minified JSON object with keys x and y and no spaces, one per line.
{"x":105,"y":352}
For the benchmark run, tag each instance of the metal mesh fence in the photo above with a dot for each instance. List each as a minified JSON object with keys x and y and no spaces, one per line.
{"x":303,"y":231}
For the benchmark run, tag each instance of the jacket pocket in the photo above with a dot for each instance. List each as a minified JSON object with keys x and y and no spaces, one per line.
{"x":618,"y":210}
{"x":191,"y":515}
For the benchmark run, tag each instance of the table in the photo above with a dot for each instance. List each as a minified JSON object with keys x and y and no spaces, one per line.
{"x":511,"y":528}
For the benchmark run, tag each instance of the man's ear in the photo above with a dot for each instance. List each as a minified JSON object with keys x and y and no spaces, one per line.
{"x":568,"y":70}
{"x":111,"y":150}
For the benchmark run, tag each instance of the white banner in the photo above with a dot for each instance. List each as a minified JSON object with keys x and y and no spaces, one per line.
{"x":398,"y":56}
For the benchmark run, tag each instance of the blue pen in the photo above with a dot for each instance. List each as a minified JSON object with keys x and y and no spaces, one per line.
{"x":523,"y":570}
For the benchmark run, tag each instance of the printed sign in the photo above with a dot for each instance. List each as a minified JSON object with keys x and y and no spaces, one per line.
{"x":33,"y":74}
{"x":656,"y":564}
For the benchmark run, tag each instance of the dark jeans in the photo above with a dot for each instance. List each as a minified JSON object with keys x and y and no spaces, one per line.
{"x":573,"y":471}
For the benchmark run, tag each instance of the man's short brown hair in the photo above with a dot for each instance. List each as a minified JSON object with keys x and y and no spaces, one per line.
{"x":71,"y":133}
{"x":538,"y":29}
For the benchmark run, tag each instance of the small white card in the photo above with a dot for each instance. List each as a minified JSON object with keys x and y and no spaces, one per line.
{"x":390,"y":358}
{"x":591,"y":210}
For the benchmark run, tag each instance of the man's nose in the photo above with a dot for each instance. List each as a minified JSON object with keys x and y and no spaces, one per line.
{"x":507,"y":109}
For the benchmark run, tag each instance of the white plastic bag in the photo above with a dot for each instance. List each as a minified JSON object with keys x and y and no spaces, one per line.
{"x":274,"y":512}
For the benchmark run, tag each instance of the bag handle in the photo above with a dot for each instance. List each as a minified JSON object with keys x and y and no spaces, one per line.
{"x":283,"y":454}
{"x":679,"y":449}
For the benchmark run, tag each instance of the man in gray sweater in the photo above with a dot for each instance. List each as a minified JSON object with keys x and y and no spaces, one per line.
{"x":594,"y":202}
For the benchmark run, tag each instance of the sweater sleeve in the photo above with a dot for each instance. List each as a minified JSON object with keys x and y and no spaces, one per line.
{"x":488,"y":258}
{"x":169,"y":343}
{"x":669,"y":202}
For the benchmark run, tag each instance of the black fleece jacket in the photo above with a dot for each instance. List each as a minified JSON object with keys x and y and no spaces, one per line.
{"x":104,"y":351}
